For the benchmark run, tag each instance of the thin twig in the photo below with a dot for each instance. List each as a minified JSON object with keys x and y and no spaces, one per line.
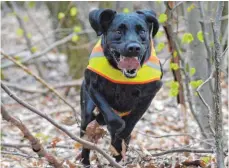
{"x":205,"y":30}
{"x":37,"y":55}
{"x":178,"y":4}
{"x":210,"y":114}
{"x":25,"y":34}
{"x":186,"y":76}
{"x":181,"y":151}
{"x":43,"y":115}
{"x":65,"y":30}
{"x":42,"y":82}
{"x":35,"y":143}
{"x":18,"y":146}
{"x":17,"y":153}
{"x":73,"y":83}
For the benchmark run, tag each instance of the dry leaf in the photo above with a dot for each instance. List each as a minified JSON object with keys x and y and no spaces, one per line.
{"x":77,"y":145}
{"x":113,"y":151}
{"x":150,"y":165}
{"x":71,"y":165}
{"x":199,"y":163}
{"x":55,"y":141}
{"x":133,"y":166}
{"x":94,"y":132}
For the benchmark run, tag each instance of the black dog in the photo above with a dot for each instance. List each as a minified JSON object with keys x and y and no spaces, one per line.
{"x":120,"y":81}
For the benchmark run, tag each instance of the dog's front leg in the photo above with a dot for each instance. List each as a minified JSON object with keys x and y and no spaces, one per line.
{"x":122,"y":139}
{"x":114,"y":123}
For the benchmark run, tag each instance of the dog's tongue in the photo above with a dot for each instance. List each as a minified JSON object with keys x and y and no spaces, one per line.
{"x":128,"y":63}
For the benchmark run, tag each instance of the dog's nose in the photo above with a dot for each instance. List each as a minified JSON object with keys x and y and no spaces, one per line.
{"x":133,"y":49}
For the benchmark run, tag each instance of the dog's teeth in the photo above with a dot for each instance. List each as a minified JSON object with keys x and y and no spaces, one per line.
{"x":121,"y":57}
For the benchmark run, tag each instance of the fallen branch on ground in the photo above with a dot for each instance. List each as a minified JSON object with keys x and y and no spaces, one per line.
{"x":75,"y":138}
{"x":35,"y":143}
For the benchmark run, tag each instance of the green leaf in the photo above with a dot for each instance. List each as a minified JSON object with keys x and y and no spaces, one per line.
{"x":77,"y":29}
{"x":126,"y":10}
{"x":2,"y":76}
{"x":162,"y":18}
{"x":211,"y":44}
{"x":175,"y":54}
{"x":26,"y":18}
{"x":12,"y":14}
{"x":196,"y":84}
{"x":160,"y":46}
{"x":73,"y":11}
{"x":200,"y":36}
{"x":187,"y":38}
{"x":75,"y":38}
{"x":31,"y":4}
{"x":159,"y":34}
{"x":61,"y":15}
{"x":34,"y":49}
{"x":174,"y":84}
{"x":174,"y":66}
{"x":174,"y":88}
{"x":191,"y":7}
{"x":159,"y":1}
{"x":192,"y":71}
{"x":29,"y":35}
{"x":206,"y":159}
{"x":42,"y":136}
{"x":173,"y":92}
{"x":20,"y":32}
{"x":17,"y":58}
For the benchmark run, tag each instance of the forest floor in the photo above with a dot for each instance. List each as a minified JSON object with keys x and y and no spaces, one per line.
{"x":163,"y":129}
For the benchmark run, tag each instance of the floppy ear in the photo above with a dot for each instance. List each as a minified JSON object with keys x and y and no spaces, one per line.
{"x":150,"y":17}
{"x":101,"y":19}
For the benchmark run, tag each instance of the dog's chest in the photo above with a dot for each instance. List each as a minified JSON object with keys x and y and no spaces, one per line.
{"x":120,"y":97}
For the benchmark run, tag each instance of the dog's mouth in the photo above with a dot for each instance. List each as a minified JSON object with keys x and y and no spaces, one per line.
{"x":128,"y":65}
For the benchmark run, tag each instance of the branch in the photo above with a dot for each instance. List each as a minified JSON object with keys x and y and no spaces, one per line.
{"x":41,"y":81}
{"x":75,"y":138}
{"x":18,"y":146}
{"x":181,"y":151}
{"x":73,"y":83}
{"x":35,"y":143}
{"x":206,"y":40}
{"x":21,"y":24}
{"x":186,"y":77}
{"x":217,"y":96}
{"x":37,"y":55}
{"x":205,"y":103}
{"x":16,"y":153}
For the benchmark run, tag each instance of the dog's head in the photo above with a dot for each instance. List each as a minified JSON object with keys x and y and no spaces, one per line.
{"x":126,"y":39}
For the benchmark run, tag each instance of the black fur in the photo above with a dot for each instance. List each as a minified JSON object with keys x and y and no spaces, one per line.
{"x":96,"y":91}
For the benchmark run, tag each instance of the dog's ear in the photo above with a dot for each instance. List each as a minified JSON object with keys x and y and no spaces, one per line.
{"x":101,"y":19}
{"x":150,"y":17}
